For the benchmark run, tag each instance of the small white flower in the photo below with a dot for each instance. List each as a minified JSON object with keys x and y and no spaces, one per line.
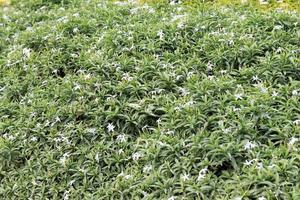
{"x":238,"y":96}
{"x":2,"y":89}
{"x":173,"y":2}
{"x":75,"y":30}
{"x":66,"y":195}
{"x":221,"y":123}
{"x":66,"y":154}
{"x":202,"y":174}
{"x":292,"y":141}
{"x":171,"y":198}
{"x":33,"y":139}
{"x":190,"y":74}
{"x":158,"y":121}
{"x":159,"y":91}
{"x":121,"y":3}
{"x":33,"y":114}
{"x":77,"y":86}
{"x":161,"y":143}
{"x":66,"y":140}
{"x":180,"y":25}
{"x":178,"y":77}
{"x":223,"y":72}
{"x":295,"y":92}
{"x":210,"y":77}
{"x":235,"y":109}
{"x":120,"y":151}
{"x":72,"y":182}
{"x":161,"y":34}
{"x":132,"y":1}
{"x":55,"y":71}
{"x":34,"y":182}
{"x":263,"y":2}
{"x":189,"y":103}
{"x":29,"y":29}
{"x":249,"y":145}
{"x":145,"y":127}
{"x":259,"y":165}
{"x":266,"y":116}
{"x":110,"y":127}
{"x":147,"y":168}
{"x":87,"y":76}
{"x":83,"y":170}
{"x":274,"y":94}
{"x":57,"y":119}
{"x":230,"y":42}
{"x":226,"y":130}
{"x":38,"y":125}
{"x":248,"y":162}
{"x":210,"y":66}
{"x":185,"y":177}
{"x":145,"y":194}
{"x":203,"y":171}
{"x":26,"y":52}
{"x":127,"y":77}
{"x":76,"y":15}
{"x":279,"y":50}
{"x":57,"y":140}
{"x":128,"y":176}
{"x":121,"y":174}
{"x":121,"y":138}
{"x":25,"y":67}
{"x":92,"y":130}
{"x":170,"y":133}
{"x":296,"y":122}
{"x":97,"y":157}
{"x":63,"y":159}
{"x":271,"y":166}
{"x":179,"y":9}
{"x":146,"y":6}
{"x":177,"y":107}
{"x":11,"y":137}
{"x":255,"y":78}
{"x":263,"y":90}
{"x":200,"y":177}
{"x":242,"y":17}
{"x":136,"y":156}
{"x":134,"y":11}
{"x":151,"y":10}
{"x":278,"y":27}
{"x":97,"y":85}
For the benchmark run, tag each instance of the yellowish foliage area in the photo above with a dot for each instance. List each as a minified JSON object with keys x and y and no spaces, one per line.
{"x":4,"y":2}
{"x":273,"y":4}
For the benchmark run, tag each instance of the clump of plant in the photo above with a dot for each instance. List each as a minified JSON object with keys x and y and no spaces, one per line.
{"x":123,"y":100}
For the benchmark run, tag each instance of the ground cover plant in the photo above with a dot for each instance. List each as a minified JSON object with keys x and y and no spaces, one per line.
{"x":121,"y":100}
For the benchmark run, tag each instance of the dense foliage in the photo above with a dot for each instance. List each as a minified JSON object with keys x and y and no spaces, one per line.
{"x":117,"y":100}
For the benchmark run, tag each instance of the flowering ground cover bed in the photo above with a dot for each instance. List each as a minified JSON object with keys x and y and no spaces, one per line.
{"x":120,"y":100}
